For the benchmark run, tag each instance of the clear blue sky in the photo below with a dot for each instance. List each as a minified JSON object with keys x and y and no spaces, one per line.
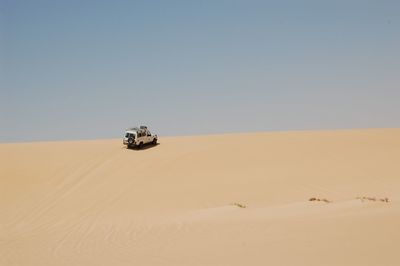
{"x":90,"y":69}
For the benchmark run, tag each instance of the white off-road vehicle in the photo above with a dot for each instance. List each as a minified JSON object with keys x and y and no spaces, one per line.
{"x":139,"y":136}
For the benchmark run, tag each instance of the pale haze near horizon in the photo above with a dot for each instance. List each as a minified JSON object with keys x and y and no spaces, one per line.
{"x":90,"y":69}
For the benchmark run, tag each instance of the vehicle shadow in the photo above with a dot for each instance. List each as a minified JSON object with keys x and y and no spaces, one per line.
{"x":144,"y":147}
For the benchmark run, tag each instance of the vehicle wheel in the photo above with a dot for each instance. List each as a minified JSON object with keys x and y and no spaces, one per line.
{"x":154,"y":141}
{"x":130,"y":141}
{"x":140,"y":145}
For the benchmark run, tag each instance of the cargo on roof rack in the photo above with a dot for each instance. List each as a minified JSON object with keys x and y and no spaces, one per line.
{"x":141,"y":128}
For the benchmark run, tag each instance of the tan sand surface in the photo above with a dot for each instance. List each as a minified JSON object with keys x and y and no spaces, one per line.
{"x":234,"y":199}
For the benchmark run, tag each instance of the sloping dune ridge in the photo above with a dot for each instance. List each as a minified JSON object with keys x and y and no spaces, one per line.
{"x":275,"y":198}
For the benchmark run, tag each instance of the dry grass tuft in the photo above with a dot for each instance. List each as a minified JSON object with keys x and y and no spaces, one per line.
{"x":318,"y":199}
{"x":373,"y":199}
{"x":239,"y":205}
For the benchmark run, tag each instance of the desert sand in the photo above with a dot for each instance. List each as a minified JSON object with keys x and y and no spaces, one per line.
{"x":273,"y":198}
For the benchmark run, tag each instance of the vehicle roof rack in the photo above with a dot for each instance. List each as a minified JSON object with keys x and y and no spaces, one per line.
{"x":141,"y":129}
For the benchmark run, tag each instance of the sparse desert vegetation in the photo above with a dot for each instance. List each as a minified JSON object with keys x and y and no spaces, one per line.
{"x":320,"y":199}
{"x":239,"y":205}
{"x":373,"y":199}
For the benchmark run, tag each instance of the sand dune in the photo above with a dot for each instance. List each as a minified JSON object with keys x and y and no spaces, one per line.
{"x":235,"y":199}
